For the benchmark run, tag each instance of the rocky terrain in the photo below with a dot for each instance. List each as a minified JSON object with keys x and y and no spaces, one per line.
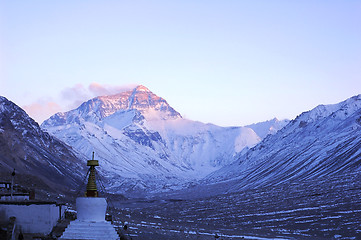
{"x":40,"y":160}
{"x":325,"y":209}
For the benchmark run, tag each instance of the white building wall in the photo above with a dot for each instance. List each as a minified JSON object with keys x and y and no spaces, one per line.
{"x":33,"y":218}
{"x":5,"y":185}
{"x":15,"y":198}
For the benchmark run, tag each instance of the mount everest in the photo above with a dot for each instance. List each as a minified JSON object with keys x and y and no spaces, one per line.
{"x":144,"y":144}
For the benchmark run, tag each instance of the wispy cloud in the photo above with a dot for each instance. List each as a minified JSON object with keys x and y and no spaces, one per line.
{"x":101,"y":90}
{"x":70,"y":98}
{"x":42,"y":109}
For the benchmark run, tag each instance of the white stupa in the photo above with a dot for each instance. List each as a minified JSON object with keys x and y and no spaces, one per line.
{"x":90,"y":222}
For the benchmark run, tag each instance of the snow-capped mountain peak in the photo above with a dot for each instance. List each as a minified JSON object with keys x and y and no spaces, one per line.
{"x":97,"y":109}
{"x":142,"y":140}
{"x":141,"y":88}
{"x":140,"y":98}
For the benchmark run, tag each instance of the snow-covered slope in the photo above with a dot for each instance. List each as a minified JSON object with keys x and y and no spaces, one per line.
{"x":144,"y":144}
{"x":323,"y":142}
{"x":37,"y":157}
{"x":262,"y":129}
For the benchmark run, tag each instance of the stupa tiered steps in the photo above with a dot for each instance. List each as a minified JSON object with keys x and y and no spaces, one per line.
{"x":90,"y":230}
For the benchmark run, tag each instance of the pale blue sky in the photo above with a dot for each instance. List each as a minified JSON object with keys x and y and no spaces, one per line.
{"x":224,"y":62}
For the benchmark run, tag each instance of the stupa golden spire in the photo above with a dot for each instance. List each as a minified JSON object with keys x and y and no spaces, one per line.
{"x":91,"y":187}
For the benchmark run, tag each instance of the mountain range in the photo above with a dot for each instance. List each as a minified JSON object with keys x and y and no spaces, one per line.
{"x":323,"y":143}
{"x":144,"y":145}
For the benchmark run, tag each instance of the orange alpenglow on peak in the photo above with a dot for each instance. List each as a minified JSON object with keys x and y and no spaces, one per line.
{"x":141,"y":88}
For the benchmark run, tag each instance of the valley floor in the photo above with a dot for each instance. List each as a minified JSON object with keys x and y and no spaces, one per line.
{"x":324,"y":209}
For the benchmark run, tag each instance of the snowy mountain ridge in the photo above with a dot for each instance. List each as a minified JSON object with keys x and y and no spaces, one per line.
{"x":323,"y":142}
{"x":339,"y":111}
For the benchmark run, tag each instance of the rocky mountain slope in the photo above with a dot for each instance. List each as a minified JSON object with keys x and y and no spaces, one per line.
{"x":322,"y":143}
{"x":40,"y":160}
{"x":144,"y":144}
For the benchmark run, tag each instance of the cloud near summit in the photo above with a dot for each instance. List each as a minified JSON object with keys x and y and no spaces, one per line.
{"x":76,"y":95}
{"x":102,"y":90}
{"x":42,"y":109}
{"x":70,"y":98}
